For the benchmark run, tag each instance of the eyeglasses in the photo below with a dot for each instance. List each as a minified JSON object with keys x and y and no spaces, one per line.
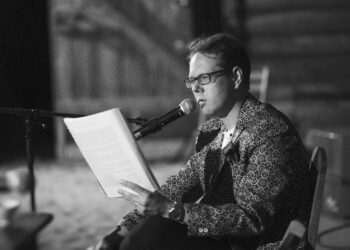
{"x":204,"y":79}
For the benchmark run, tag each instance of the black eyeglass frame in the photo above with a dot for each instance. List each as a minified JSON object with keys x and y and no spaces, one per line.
{"x":190,"y":81}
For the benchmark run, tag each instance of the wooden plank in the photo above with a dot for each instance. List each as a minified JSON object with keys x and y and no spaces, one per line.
{"x":140,"y":103}
{"x":93,"y":73}
{"x":324,"y":112}
{"x":304,"y":90}
{"x":161,"y":81}
{"x":294,"y":69}
{"x":301,"y":45}
{"x":231,"y":12}
{"x":62,"y":67}
{"x":323,"y":91}
{"x":282,"y":5}
{"x":290,"y":23}
{"x":83,"y":73}
{"x":152,"y":62}
{"x":134,"y":75}
{"x":311,"y":92}
{"x":108,"y":71}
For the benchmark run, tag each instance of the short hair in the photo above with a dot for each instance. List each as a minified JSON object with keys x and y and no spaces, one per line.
{"x":228,"y":50}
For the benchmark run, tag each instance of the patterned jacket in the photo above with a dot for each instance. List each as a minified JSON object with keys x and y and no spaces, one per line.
{"x":249,"y":193}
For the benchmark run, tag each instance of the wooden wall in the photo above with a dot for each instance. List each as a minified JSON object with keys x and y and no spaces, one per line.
{"x":307,"y":46}
{"x":130,"y":53}
{"x":118,"y":53}
{"x":113,"y":58}
{"x":165,"y":21}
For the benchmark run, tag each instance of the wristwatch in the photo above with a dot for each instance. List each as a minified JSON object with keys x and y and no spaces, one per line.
{"x":176,"y":212}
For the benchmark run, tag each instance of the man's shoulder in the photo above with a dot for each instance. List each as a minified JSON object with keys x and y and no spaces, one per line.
{"x":265,"y":120}
{"x":270,"y":118}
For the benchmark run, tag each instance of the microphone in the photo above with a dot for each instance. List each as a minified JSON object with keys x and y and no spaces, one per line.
{"x":186,"y":107}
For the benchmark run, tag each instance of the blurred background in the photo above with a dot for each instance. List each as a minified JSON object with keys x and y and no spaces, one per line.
{"x":85,"y":56}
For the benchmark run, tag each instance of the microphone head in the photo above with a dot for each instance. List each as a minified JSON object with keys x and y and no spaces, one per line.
{"x":188,"y":106}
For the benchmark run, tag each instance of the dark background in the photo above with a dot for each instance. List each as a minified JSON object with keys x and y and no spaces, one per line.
{"x":24,"y":74}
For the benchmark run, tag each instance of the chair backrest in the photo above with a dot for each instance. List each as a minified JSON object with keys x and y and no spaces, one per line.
{"x":318,"y":170}
{"x":296,"y":230}
{"x":259,"y":80}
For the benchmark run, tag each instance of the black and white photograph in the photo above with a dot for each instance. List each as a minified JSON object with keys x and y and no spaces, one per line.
{"x":175,"y":125}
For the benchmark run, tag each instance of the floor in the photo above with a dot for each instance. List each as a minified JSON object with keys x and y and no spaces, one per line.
{"x":338,"y":239}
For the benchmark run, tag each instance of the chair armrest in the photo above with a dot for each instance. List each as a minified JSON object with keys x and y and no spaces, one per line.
{"x":293,"y":236}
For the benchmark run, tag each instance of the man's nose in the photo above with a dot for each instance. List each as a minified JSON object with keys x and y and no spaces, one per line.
{"x":196,"y":87}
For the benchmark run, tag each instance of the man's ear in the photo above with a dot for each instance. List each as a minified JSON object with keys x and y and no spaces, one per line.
{"x":237,"y":76}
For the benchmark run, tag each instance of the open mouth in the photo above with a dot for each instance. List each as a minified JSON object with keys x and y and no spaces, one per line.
{"x":201,"y":102}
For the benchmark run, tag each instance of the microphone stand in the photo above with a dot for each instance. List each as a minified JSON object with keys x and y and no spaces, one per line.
{"x":32,"y":117}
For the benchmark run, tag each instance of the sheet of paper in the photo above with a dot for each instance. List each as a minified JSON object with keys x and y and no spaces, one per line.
{"x":111,"y":151}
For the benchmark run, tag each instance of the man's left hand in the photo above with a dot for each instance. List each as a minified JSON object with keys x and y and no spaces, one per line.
{"x":150,"y":203}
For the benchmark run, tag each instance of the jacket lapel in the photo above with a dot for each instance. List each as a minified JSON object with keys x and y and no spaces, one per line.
{"x":210,"y":140}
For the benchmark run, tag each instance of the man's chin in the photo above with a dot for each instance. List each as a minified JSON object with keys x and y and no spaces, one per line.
{"x":206,"y":111}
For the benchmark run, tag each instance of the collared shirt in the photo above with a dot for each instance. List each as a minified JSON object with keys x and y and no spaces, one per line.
{"x":228,"y":137}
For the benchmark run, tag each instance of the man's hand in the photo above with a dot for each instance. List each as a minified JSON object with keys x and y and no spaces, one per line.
{"x":150,"y":203}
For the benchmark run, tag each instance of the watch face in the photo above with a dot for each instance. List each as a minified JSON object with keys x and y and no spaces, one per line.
{"x":174,"y":214}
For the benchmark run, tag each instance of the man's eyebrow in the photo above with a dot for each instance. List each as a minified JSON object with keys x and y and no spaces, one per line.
{"x":196,"y":75}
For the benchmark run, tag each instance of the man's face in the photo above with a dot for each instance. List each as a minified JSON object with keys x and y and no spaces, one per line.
{"x":215,"y":98}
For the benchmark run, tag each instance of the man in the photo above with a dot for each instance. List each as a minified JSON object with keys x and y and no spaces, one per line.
{"x":247,"y":179}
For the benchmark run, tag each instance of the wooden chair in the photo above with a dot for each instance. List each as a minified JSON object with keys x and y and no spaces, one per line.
{"x":296,"y":230}
{"x":318,"y":170}
{"x":259,"y":80}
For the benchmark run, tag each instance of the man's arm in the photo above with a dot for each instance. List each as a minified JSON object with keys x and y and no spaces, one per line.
{"x":186,"y":184}
{"x":173,"y":190}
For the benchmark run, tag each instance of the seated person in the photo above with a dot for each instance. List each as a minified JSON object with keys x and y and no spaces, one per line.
{"x":247,"y":179}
